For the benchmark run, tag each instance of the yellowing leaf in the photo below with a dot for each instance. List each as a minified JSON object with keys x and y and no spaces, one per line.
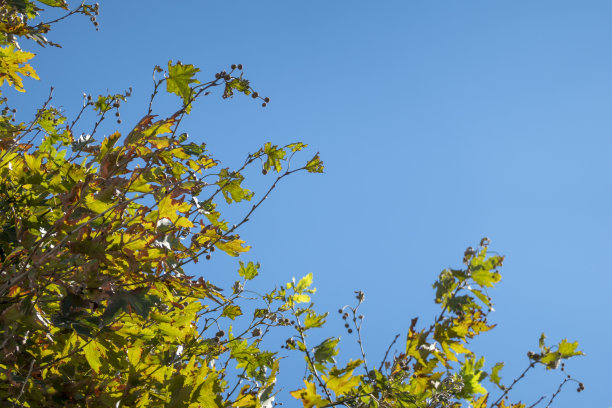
{"x":95,"y":205}
{"x":342,"y":385}
{"x":180,"y":77}
{"x":134,"y":354}
{"x":93,"y":351}
{"x":168,"y":208}
{"x":315,"y":165}
{"x":314,"y":320}
{"x":459,"y":348}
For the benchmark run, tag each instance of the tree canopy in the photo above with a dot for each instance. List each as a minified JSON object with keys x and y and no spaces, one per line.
{"x":96,"y":308}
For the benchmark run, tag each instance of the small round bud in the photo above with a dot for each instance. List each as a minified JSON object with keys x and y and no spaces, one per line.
{"x":263,"y":105}
{"x":339,"y":310}
{"x":267,"y":99}
{"x":119,"y":121}
{"x":255,"y":95}
{"x":350,"y":330}
{"x":240,"y":66}
{"x":346,"y":325}
{"x":233,"y":66}
{"x":207,"y":256}
{"x":256,"y":332}
{"x":220,"y":333}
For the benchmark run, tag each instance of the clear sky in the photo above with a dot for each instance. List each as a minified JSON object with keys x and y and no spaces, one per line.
{"x":439,"y":123}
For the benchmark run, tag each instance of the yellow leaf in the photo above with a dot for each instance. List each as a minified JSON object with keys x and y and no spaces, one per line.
{"x":233,"y":248}
{"x":12,"y":65}
{"x":309,"y":396}
{"x":482,"y":401}
{"x":184,"y":223}
{"x":245,"y":398}
{"x":304,"y":283}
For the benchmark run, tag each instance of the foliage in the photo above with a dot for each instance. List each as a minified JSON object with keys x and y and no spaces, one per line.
{"x":96,"y":308}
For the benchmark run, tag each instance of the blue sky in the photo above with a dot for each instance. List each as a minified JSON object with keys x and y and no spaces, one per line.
{"x":439,"y":123}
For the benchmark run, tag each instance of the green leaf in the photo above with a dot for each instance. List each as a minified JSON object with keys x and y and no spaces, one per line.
{"x":542,"y":343}
{"x":129,"y":301}
{"x":296,"y":147}
{"x":325,"y":352}
{"x":494,"y":377}
{"x":248,"y":272}
{"x":231,"y":311}
{"x":55,"y":3}
{"x":274,"y":157}
{"x":314,"y":320}
{"x":238,"y":84}
{"x":315,"y":165}
{"x":472,"y":375}
{"x":179,"y":79}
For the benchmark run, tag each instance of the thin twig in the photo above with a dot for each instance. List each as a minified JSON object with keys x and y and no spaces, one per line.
{"x":387,"y":352}
{"x":516,"y":380}
{"x":537,"y":402}
{"x":25,"y":382}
